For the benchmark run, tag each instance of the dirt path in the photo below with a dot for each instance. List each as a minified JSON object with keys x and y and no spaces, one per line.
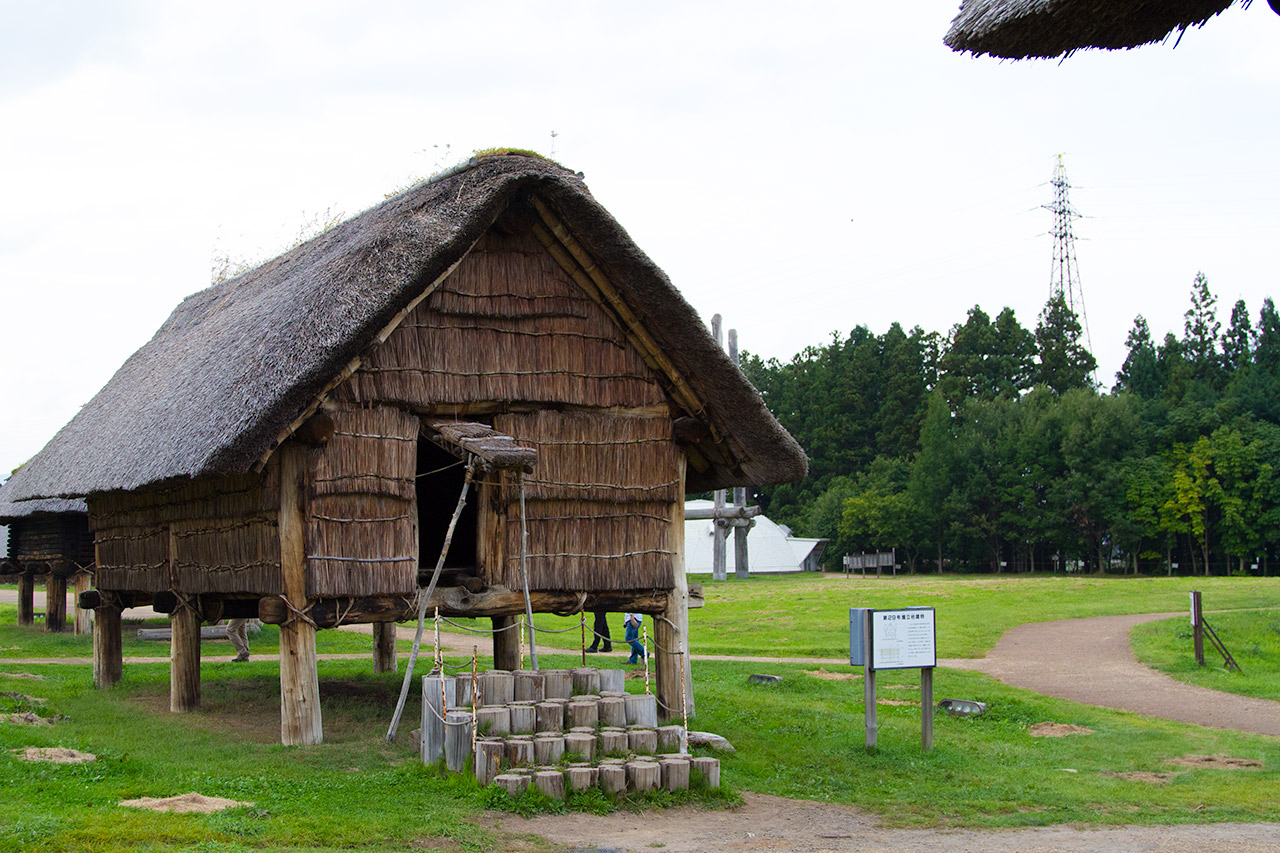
{"x":1091,"y":661}
{"x":767,"y":823}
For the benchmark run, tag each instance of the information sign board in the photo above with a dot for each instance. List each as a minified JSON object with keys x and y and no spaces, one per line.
{"x":903,"y":639}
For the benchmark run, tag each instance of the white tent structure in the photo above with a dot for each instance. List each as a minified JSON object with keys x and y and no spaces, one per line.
{"x":770,"y":547}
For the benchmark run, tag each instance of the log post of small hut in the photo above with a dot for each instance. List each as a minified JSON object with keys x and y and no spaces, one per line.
{"x":293,"y":443}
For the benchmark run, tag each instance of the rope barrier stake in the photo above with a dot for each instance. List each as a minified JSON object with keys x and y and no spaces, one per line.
{"x":522,"y":641}
{"x":582,"y":625}
{"x":439,"y":653}
{"x":644,"y":648}
{"x":684,"y":701}
{"x":475,"y":655}
{"x":524,"y":574}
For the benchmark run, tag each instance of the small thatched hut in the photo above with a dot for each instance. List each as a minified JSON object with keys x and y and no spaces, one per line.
{"x":293,"y":442}
{"x":1020,"y":29}
{"x":47,"y":539}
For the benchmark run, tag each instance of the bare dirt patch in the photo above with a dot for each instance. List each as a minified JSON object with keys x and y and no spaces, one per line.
{"x":907,"y":702}
{"x":55,"y":755}
{"x":1223,"y":762}
{"x":1057,"y":730}
{"x":183,"y":804}
{"x":29,"y":676}
{"x":28,"y":719}
{"x":1142,"y":776}
{"x":827,"y":675}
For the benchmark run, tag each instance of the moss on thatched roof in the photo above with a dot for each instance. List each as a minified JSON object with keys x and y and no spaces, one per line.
{"x":236,"y":364}
{"x":1019,"y":29}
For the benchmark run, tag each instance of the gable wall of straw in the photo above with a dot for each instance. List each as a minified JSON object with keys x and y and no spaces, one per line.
{"x":507,"y":324}
{"x":195,"y":537}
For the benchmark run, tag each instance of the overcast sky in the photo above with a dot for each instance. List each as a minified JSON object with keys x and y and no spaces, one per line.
{"x":801,"y":170}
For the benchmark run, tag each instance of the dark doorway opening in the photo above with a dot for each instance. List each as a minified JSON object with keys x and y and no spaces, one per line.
{"x":440,"y":476}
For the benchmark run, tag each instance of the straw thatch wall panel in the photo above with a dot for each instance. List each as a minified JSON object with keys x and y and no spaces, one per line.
{"x":372,"y":452}
{"x":227,"y":497}
{"x":601,"y":457}
{"x":133,"y":558}
{"x":508,"y":324}
{"x":224,"y":531}
{"x":227,"y":555}
{"x":361,"y":534}
{"x":361,"y":545}
{"x":598,"y":505}
{"x":593,"y":545}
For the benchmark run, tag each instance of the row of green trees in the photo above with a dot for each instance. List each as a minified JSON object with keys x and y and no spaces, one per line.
{"x":993,"y":448}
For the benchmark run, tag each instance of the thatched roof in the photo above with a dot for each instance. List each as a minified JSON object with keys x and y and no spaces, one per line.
{"x":236,"y":364}
{"x":11,"y":511}
{"x":1018,"y":29}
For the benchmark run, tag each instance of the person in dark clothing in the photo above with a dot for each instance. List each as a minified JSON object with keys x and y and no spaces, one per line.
{"x":600,"y":629}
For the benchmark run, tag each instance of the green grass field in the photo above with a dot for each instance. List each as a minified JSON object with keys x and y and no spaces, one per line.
{"x":800,"y":738}
{"x":807,"y":615}
{"x":1251,"y":636}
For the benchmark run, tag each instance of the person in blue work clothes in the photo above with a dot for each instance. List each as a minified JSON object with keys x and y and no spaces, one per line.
{"x":631,"y":623}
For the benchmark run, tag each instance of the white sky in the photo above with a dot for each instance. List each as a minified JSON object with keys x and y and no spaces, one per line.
{"x":800,"y":171}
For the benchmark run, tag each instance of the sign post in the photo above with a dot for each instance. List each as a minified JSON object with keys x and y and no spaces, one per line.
{"x":894,"y":639}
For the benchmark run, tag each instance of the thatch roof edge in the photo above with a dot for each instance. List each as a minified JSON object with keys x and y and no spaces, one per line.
{"x":1024,"y":29}
{"x":237,"y":363}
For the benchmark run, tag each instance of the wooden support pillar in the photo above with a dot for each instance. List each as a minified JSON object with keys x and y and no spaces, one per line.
{"x":671,"y":629}
{"x":384,"y":647}
{"x":83,"y":621}
{"x":506,"y":643}
{"x":300,"y":722}
{"x":55,"y":602}
{"x":108,"y":658}
{"x":184,"y":658}
{"x":740,"y":567}
{"x":26,"y":599}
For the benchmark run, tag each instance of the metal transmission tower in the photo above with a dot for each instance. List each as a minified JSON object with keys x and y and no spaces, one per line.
{"x":1064,"y":277}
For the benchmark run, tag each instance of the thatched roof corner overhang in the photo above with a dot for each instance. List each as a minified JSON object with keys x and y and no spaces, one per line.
{"x":1023,"y":29}
{"x":11,"y":511}
{"x":239,"y":366}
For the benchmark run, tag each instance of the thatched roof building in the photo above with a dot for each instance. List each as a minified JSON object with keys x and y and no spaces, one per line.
{"x":1020,"y":29}
{"x":288,"y":443}
{"x":49,"y":539}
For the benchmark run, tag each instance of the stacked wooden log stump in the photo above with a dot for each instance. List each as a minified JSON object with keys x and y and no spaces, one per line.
{"x":555,"y":730}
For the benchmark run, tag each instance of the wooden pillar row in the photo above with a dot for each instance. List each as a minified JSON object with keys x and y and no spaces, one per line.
{"x":300,"y":720}
{"x":82,"y":623}
{"x":384,"y":647}
{"x":55,"y":602}
{"x":184,"y":657}
{"x":108,"y":658}
{"x":506,"y":643}
{"x":26,"y":599}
